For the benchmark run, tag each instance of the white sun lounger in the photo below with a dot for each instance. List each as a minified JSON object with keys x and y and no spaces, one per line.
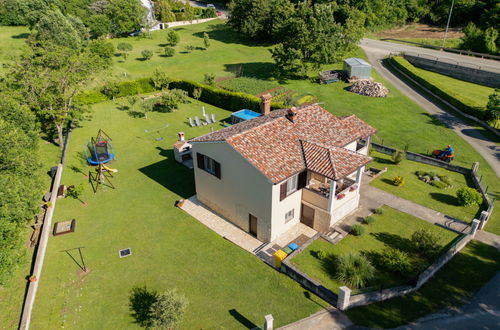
{"x":198,"y":122}
{"x":191,"y":123}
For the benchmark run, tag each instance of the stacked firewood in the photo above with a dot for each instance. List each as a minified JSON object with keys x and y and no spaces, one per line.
{"x":369,"y":88}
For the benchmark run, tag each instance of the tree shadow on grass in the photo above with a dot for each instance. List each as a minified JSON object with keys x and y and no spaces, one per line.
{"x":242,"y":319}
{"x":436,"y":120}
{"x":21,"y":36}
{"x":445,"y":198}
{"x":383,"y":160}
{"x":140,"y":302}
{"x":135,"y":114}
{"x":388,"y":181}
{"x":259,"y":70}
{"x":394,"y":241}
{"x":170,"y":174}
{"x":225,"y":34}
{"x":328,"y":264}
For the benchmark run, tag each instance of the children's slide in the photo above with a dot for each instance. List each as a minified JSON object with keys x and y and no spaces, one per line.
{"x":109,"y":169}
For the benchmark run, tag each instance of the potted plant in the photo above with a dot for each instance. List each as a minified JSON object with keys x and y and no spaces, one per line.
{"x":353,"y":187}
{"x":340,"y":196}
{"x":32,"y":278}
{"x":180,"y":203}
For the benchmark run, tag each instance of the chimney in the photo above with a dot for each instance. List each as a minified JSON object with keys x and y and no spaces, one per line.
{"x":181,"y":136}
{"x":265,"y":106}
{"x":292,"y":114}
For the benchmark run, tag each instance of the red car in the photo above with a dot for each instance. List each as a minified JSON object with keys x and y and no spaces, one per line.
{"x":219,"y":13}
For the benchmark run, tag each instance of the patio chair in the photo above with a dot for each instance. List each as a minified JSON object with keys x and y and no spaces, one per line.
{"x":207,"y":119}
{"x":213,"y":119}
{"x":197,"y":120}
{"x":191,"y":123}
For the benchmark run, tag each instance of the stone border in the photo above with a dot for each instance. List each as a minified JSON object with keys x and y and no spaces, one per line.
{"x":473,"y":172}
{"x":304,"y":279}
{"x":29,"y":300}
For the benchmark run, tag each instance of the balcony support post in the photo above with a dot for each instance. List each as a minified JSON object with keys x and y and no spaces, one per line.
{"x":331,"y":200}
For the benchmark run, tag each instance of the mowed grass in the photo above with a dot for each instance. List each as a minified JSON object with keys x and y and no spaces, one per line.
{"x":452,"y":286}
{"x":391,"y":229}
{"x":415,"y":190}
{"x":469,"y":91}
{"x":399,"y":121}
{"x":12,"y":43}
{"x":223,"y":283}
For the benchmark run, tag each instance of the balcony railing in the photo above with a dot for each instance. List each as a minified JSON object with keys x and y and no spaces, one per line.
{"x":315,"y":198}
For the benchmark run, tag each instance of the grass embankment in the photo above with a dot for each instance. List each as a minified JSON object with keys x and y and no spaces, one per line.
{"x":415,"y":190}
{"x":451,"y":287}
{"x":224,"y":284}
{"x":468,"y":97}
{"x":391,"y":229}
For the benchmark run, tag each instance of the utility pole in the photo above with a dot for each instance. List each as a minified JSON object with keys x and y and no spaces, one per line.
{"x":448,"y":23}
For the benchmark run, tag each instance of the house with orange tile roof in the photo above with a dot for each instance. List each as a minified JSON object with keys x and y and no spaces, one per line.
{"x":287,"y":166}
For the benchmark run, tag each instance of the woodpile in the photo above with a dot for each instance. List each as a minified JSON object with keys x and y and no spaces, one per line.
{"x":369,"y":88}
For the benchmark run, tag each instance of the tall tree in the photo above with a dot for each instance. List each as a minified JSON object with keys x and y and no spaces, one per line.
{"x":125,"y":15}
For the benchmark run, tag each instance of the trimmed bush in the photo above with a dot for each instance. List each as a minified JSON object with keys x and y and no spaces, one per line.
{"x":395,"y":261}
{"x":357,"y":230}
{"x":398,"y":181}
{"x":424,"y":242}
{"x":379,"y":211}
{"x":215,"y":96}
{"x":461,"y":102}
{"x":398,"y":156}
{"x":354,"y":270}
{"x":369,"y":220}
{"x":320,"y":254}
{"x":169,"y":51}
{"x":469,"y":196}
{"x":439,"y":184}
{"x":147,"y":54}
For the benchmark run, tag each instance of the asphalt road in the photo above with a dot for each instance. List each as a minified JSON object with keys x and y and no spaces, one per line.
{"x":377,"y":50}
{"x":482,"y":312}
{"x":388,"y":47}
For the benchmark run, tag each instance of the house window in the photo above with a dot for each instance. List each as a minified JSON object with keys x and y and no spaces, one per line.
{"x":291,"y":185}
{"x":289,"y":215}
{"x":208,"y":164}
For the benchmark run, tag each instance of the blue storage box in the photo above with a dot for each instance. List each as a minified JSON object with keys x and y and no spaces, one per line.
{"x":293,"y":246}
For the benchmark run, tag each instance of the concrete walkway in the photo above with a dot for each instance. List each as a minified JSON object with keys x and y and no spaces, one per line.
{"x":406,"y":206}
{"x":376,"y":51}
{"x":220,"y":225}
{"x":327,"y":319}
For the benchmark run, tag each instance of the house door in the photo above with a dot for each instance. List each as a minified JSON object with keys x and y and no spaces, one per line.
{"x":252,"y":225}
{"x":307,"y":216}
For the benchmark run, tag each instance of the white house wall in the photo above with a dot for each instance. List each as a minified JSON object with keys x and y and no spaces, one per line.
{"x":280,"y":208}
{"x":241,"y":190}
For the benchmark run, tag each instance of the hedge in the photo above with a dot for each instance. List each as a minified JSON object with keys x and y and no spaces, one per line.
{"x":463,"y":103}
{"x":217,"y":97}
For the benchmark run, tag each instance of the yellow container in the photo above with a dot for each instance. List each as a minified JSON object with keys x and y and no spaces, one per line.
{"x":279,"y":256}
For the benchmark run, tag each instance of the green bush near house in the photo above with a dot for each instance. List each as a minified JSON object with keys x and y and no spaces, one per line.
{"x":369,"y":220}
{"x":469,"y":196}
{"x":398,"y":156}
{"x":395,"y":261}
{"x":354,"y":269}
{"x":379,"y":211}
{"x":357,"y":230}
{"x":424,"y":241}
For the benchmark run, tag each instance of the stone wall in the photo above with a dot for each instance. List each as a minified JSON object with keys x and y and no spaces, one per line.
{"x":462,"y":71}
{"x":303,"y":279}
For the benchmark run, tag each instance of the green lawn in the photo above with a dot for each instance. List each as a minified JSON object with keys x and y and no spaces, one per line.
{"x":474,"y":92}
{"x":224,"y":284}
{"x":451,"y":287}
{"x":442,"y":200}
{"x":12,"y":40}
{"x":391,"y":229}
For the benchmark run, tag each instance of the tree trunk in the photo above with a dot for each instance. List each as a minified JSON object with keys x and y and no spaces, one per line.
{"x":60,"y":136}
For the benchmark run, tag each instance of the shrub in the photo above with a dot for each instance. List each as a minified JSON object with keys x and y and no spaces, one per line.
{"x":395,"y":261}
{"x":439,"y":184}
{"x":469,"y":196}
{"x":379,"y":211}
{"x":369,"y":220}
{"x":398,"y":181}
{"x":357,"y":230}
{"x":170,"y":100}
{"x":320,"y":254}
{"x":167,"y":309}
{"x":445,"y":179}
{"x":424,"y":241}
{"x":169,"y":51}
{"x":173,"y":37}
{"x":209,"y":79}
{"x":90,"y":97}
{"x":354,"y":270}
{"x":398,"y":156}
{"x":147,"y":54}
{"x":189,"y":48}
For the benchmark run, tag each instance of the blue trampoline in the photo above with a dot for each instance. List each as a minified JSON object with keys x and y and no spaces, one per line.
{"x":243,"y":115}
{"x":99,"y":150}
